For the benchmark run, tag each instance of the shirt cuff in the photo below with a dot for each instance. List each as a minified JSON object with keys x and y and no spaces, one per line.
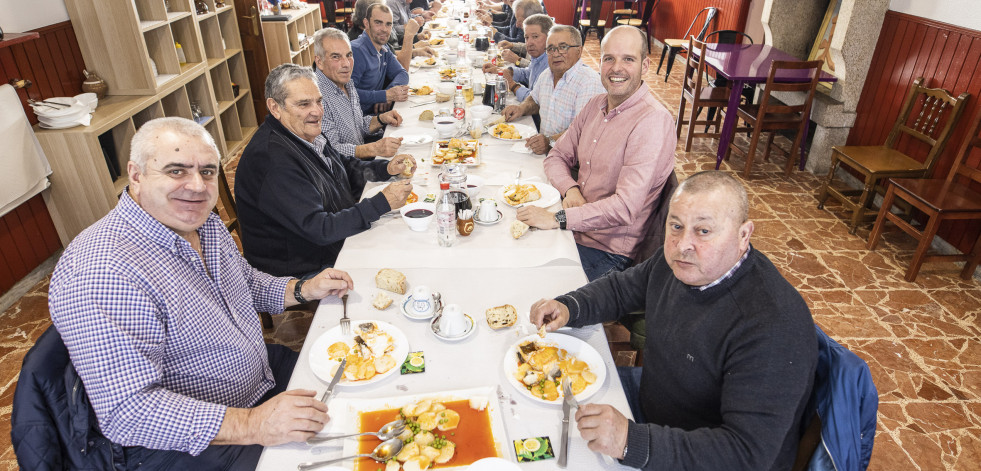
{"x":573,"y":305}
{"x":205,"y":424}
{"x":638,"y":445}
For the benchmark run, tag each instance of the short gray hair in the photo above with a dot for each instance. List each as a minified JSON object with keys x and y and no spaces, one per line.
{"x":541,"y":20}
{"x":327,"y":33}
{"x":576,"y":37}
{"x":527,"y":7}
{"x":283,"y":74}
{"x":144,"y":146}
{"x":361,"y":11}
{"x":710,"y":180}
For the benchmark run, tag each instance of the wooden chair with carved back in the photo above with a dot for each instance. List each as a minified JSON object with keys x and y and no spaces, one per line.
{"x":958,"y":197}
{"x":700,"y":94}
{"x":931,"y":125}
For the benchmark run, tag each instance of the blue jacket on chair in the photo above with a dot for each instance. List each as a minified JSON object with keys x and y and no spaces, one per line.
{"x":53,"y":426}
{"x":847,"y":401}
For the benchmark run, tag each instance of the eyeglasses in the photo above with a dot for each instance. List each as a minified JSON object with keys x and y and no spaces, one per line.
{"x":560,"y":48}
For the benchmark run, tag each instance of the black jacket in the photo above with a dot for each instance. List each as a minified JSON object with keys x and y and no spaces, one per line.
{"x":295,"y":213}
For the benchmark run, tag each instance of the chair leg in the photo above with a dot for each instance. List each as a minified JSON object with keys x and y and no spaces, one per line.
{"x":710,"y":116}
{"x":880,"y":220}
{"x":664,"y":51}
{"x":823,"y":195}
{"x":751,"y":152}
{"x":794,"y":152}
{"x":681,"y":115}
{"x":973,"y":260}
{"x":867,"y":192}
{"x":671,"y":54}
{"x":691,"y":127}
{"x":921,"y":249}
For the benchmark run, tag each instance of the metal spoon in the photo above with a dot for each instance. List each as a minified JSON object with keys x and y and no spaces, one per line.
{"x":387,"y":432}
{"x":383,"y":452}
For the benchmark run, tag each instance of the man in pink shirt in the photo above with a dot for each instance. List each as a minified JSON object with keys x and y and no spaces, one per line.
{"x":623,"y":142}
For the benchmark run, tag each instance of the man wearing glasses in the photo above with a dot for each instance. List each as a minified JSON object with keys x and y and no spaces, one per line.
{"x":561,"y":91}
{"x":623,"y":144}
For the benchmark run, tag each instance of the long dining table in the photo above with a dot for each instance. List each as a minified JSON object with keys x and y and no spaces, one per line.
{"x":744,"y":64}
{"x":486,"y":269}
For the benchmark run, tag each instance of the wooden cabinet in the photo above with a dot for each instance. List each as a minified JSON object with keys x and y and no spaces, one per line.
{"x":123,"y":41}
{"x":292,"y":40}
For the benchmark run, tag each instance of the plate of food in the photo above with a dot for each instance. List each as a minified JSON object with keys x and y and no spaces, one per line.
{"x":374,"y":350}
{"x":413,"y":136}
{"x":448,"y":430}
{"x":447,"y":74}
{"x":527,"y":192}
{"x":532,"y":366}
{"x":436,"y":41}
{"x":512,"y":131}
{"x":412,"y":198}
{"x":456,"y":151}
{"x":424,"y":90}
{"x":424,"y":62}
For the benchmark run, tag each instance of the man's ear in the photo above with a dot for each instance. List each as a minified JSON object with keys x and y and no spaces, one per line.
{"x":274,"y":108}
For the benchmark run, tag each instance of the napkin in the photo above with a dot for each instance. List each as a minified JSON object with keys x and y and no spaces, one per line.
{"x":520,"y":148}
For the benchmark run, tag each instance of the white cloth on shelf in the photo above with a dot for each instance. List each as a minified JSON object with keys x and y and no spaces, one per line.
{"x":24,"y":169}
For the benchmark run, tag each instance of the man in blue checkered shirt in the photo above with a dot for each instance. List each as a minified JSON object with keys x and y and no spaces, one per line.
{"x":158,"y":311}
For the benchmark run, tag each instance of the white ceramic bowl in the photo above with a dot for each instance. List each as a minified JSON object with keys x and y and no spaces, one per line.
{"x":418,"y":224}
{"x":481,"y":112}
{"x":88,"y":99}
{"x":446,"y":88}
{"x":474,"y":184}
{"x":446,"y":126}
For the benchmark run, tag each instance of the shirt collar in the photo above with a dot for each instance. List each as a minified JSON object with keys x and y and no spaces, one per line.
{"x":634,"y":99}
{"x":328,"y":85}
{"x":727,"y":274}
{"x":150,"y":227}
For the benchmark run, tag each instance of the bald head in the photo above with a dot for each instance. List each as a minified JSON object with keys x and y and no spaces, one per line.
{"x":629,"y":34}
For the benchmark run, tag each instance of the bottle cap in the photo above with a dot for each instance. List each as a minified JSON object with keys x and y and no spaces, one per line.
{"x":444,"y":185}
{"x":459,"y":87}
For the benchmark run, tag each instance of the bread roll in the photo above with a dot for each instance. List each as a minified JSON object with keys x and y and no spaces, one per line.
{"x":502,"y":316}
{"x":426,"y":115}
{"x":391,"y":280}
{"x":518,"y":229}
{"x":382,"y":301}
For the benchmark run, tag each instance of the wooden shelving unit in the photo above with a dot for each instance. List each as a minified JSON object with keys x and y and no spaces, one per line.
{"x":121,"y":41}
{"x":292,"y":40}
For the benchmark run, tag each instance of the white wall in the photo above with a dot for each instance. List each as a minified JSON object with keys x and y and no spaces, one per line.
{"x":965,"y":13}
{"x":24,"y":15}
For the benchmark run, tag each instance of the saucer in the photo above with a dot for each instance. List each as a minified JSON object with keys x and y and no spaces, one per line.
{"x":476,"y":219}
{"x":412,"y":315}
{"x":471,"y":328}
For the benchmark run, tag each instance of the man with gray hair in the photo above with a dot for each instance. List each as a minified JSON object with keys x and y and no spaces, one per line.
{"x":521,"y":77}
{"x":297,"y":197}
{"x":731,"y":348}
{"x":158,"y":311}
{"x":513,"y":32}
{"x":344,"y":125}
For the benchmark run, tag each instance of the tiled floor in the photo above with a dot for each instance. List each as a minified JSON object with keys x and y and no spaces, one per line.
{"x":920,"y":339}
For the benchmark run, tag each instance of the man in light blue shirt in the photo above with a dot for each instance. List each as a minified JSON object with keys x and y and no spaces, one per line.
{"x":378,"y":76}
{"x":521,"y":77}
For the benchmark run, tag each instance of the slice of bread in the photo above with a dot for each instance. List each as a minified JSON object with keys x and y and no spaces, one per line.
{"x":382,"y":301}
{"x":391,"y":280}
{"x":502,"y":316}
{"x":518,"y":229}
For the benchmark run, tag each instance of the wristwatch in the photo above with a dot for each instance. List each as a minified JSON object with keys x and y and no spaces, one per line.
{"x":296,"y":291}
{"x":551,"y":141}
{"x":560,"y":218}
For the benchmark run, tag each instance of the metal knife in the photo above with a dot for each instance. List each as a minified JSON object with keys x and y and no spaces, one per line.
{"x":564,"y":451}
{"x":333,"y":382}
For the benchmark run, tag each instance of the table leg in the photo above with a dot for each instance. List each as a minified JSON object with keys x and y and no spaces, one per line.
{"x":729,"y":124}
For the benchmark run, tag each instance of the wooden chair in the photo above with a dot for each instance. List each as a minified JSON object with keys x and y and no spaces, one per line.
{"x":629,"y":11}
{"x":771,"y":115}
{"x":675,"y":45}
{"x":937,"y":108}
{"x":700,"y":95}
{"x":643,"y":22}
{"x":594,"y":8}
{"x":329,"y":15}
{"x":955,"y":198}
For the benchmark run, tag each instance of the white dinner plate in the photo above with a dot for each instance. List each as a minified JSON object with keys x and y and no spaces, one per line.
{"x":493,"y":464}
{"x":581,"y":350}
{"x":421,"y":63}
{"x":471,"y":328}
{"x":550,"y":195}
{"x":414,"y":136}
{"x":525,"y":130}
{"x":323,"y":366}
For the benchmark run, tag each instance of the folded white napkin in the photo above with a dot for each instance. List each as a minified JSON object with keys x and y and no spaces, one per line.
{"x":520,"y":148}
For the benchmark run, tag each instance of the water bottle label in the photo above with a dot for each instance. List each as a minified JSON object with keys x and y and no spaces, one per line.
{"x":459,"y":113}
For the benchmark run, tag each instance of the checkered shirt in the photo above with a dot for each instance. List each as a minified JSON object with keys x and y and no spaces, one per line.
{"x":344,"y":124}
{"x":163,"y":340}
{"x":558,"y":104}
{"x":726,"y":274}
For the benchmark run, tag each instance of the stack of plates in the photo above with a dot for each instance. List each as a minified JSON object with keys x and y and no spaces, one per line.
{"x":75,"y":112}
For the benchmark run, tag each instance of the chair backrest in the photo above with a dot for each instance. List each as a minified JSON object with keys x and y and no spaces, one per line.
{"x":694,"y":67}
{"x":649,"y":6}
{"x":806,"y":83}
{"x":960,"y":169}
{"x":654,"y":234}
{"x":595,"y":10}
{"x":846,"y":401}
{"x":710,"y":13}
{"x":727,"y":36}
{"x":935,"y":105}
{"x":228,"y":202}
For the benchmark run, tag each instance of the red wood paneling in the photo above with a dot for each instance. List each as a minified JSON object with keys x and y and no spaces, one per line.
{"x":53,"y":62}
{"x":672,"y":17}
{"x":949,"y":57}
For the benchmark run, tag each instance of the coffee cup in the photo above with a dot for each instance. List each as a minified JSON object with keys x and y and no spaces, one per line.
{"x":446,"y":126}
{"x":452,"y":322}
{"x":488,"y":210}
{"x":422,"y":301}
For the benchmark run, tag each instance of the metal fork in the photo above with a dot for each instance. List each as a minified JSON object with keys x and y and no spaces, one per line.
{"x":345,"y":322}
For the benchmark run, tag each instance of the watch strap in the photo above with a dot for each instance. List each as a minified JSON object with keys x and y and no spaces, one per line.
{"x":296,"y":291}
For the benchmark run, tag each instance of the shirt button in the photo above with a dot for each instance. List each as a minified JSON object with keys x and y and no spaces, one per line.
{"x":587,"y":162}
{"x":594,"y":141}
{"x":606,"y":120}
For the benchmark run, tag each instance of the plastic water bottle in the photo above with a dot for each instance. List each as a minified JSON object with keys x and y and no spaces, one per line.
{"x":492,"y":52}
{"x":500,"y":92}
{"x":445,"y":217}
{"x":461,"y":48}
{"x":459,"y":104}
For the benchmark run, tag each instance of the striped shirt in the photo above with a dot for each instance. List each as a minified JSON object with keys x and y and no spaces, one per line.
{"x":559,"y":103}
{"x":163,"y":340}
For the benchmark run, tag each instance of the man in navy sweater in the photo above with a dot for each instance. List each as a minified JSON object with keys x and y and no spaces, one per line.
{"x":730,"y":353}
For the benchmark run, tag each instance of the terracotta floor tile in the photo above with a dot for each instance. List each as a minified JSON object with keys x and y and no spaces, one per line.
{"x":922,"y":340}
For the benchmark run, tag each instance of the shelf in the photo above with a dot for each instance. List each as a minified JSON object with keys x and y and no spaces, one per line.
{"x":204,"y":16}
{"x":9,"y":39}
{"x":120,"y":184}
{"x":223,"y":106}
{"x":148,"y":25}
{"x":176,"y":15}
